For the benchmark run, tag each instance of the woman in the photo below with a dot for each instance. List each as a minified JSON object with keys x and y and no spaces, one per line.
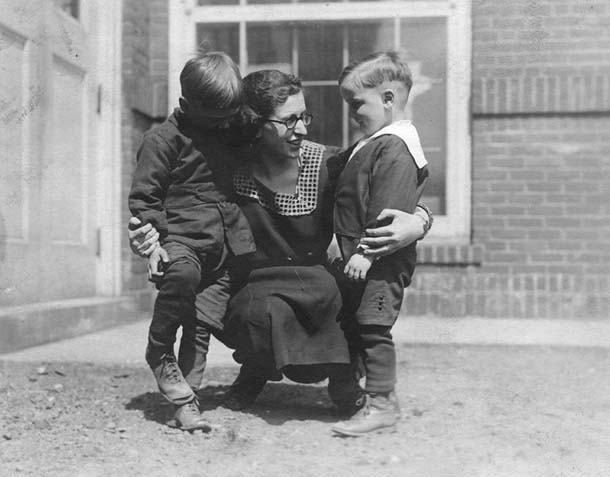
{"x":284,"y":320}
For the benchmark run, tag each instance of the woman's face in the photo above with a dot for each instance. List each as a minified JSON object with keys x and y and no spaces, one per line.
{"x":277,"y":139}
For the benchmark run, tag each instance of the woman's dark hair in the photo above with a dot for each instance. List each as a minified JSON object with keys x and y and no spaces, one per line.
{"x":265,"y":90}
{"x":213,"y":80}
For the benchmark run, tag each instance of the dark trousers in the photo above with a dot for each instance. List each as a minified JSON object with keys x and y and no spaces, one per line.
{"x":367,"y":324}
{"x":193,"y":284}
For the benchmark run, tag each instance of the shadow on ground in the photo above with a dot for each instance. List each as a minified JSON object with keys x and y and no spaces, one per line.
{"x":278,"y":403}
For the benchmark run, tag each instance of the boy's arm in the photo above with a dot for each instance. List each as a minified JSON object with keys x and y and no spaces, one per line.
{"x":150,"y":182}
{"x":395,"y":183}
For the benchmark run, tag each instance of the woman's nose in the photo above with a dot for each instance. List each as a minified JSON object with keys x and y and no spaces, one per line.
{"x":300,"y":128}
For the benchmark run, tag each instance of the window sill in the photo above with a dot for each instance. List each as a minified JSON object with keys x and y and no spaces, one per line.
{"x":452,"y":255}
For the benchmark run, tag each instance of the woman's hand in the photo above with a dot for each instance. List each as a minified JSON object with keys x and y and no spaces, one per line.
{"x":142,"y":240}
{"x":404,"y":229}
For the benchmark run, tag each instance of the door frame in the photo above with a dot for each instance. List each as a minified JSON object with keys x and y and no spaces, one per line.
{"x":109,"y":153}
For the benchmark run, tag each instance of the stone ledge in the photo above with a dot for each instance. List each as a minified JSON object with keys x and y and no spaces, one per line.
{"x":456,"y":255}
{"x":502,"y":331}
{"x":30,"y":325}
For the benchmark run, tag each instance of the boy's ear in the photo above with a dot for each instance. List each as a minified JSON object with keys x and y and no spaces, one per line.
{"x":388,"y":97}
{"x":184,"y":104}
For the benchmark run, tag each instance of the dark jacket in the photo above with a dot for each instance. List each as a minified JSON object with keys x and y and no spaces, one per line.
{"x":381,"y":175}
{"x":183,"y":186}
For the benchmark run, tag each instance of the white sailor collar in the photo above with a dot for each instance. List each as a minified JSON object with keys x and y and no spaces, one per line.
{"x":406,"y":131}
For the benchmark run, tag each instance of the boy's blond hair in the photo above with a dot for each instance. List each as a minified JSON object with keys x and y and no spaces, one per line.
{"x":378,"y":68}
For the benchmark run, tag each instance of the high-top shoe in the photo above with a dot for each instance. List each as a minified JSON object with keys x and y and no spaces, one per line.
{"x":244,"y":390}
{"x":346,"y":394}
{"x":169,"y":378}
{"x":379,"y":413}
{"x":188,"y":418}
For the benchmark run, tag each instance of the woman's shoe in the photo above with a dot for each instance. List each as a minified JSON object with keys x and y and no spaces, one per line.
{"x":346,"y":394}
{"x":244,"y":390}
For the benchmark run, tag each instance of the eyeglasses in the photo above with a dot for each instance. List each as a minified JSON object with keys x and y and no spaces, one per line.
{"x":292,"y":121}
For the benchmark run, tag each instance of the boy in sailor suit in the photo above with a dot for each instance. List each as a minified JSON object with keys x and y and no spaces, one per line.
{"x":385,"y":169}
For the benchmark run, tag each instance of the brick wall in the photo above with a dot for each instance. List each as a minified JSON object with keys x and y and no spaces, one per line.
{"x":536,"y":56}
{"x":541,"y":223}
{"x":145,"y":66}
{"x":540,"y":169}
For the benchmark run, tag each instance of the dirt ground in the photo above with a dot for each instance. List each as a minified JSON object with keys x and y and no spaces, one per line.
{"x":467,"y":411}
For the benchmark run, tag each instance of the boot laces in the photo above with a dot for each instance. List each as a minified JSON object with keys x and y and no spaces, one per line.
{"x":365,"y":410}
{"x":191,"y":408}
{"x":170,"y":369}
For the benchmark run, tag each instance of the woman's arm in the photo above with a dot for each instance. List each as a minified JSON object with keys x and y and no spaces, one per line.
{"x":142,"y":240}
{"x":404,"y":229}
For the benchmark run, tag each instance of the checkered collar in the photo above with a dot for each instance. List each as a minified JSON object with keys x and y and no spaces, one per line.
{"x":303,"y":201}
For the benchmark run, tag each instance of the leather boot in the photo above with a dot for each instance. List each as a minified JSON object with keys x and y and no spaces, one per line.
{"x":245,"y":389}
{"x":188,"y":418}
{"x":170,"y":380}
{"x":380,"y":413}
{"x":346,"y":394}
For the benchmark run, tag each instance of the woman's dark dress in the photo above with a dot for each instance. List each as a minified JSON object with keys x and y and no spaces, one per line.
{"x":286,"y":314}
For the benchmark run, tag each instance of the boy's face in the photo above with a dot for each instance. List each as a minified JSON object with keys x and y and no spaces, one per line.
{"x":204,"y":118}
{"x":367,"y":107}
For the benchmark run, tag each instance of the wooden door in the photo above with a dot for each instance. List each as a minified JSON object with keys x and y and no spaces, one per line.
{"x":48,"y":100}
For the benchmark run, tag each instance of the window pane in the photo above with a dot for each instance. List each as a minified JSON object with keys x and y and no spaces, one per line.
{"x":68,"y":6}
{"x":320,"y":51}
{"x":324,"y":103}
{"x":217,"y":2}
{"x":425,"y":41}
{"x":367,"y":37}
{"x":219,"y":36}
{"x":269,"y":47}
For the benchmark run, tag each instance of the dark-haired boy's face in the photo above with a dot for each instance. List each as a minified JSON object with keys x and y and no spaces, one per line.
{"x":206,"y":118}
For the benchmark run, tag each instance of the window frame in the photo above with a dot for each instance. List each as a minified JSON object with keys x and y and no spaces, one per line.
{"x":455,"y":226}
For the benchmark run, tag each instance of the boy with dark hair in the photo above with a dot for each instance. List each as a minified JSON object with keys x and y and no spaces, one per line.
{"x":385,"y":169}
{"x":183,"y":186}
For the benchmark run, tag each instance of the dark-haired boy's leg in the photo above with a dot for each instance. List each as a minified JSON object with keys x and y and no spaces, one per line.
{"x":175,"y":301}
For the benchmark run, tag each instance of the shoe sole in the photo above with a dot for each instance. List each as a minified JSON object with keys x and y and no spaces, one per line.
{"x":381,"y":430}
{"x":202,"y":427}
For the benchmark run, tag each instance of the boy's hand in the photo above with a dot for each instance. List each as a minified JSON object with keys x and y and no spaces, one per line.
{"x":334,"y":260}
{"x":156,"y":264}
{"x":358,"y":266}
{"x":142,"y":240}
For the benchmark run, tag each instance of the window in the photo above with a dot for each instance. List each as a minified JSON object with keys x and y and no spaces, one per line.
{"x":70,"y":7}
{"x":315,"y":41}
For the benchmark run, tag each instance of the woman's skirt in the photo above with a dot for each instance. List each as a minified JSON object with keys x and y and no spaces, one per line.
{"x":286,"y":317}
